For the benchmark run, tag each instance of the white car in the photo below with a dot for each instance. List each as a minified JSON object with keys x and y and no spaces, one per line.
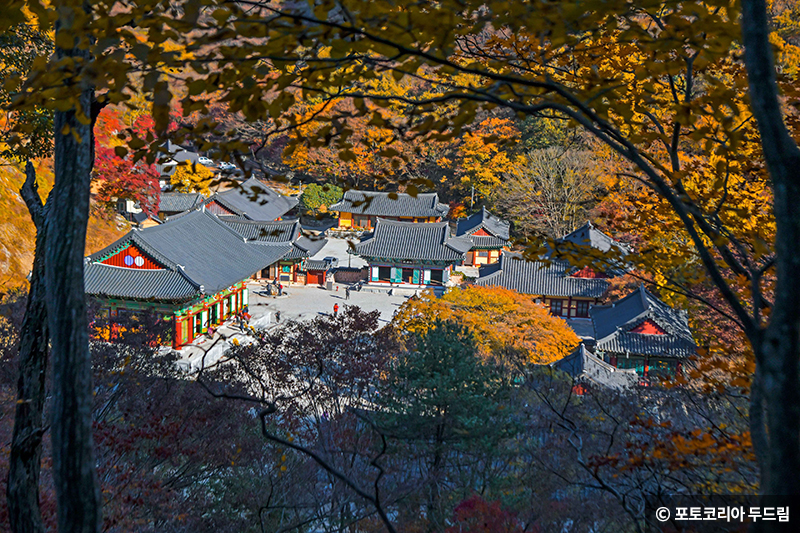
{"x":226,"y":167}
{"x":205,"y":161}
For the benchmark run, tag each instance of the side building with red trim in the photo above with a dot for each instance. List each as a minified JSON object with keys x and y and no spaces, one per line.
{"x":642,"y":333}
{"x":489,"y":235}
{"x":193,"y":269}
{"x":252,"y":200}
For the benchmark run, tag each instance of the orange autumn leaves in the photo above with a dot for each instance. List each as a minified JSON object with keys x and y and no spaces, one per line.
{"x":508,"y":327}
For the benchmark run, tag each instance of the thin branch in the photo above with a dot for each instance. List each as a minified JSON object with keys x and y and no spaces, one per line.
{"x":371,"y":498}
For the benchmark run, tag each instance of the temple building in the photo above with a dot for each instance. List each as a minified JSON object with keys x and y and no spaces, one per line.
{"x":643,"y":333}
{"x":489,"y":236}
{"x":606,"y":254}
{"x":173,"y":203}
{"x":318,"y":270}
{"x":252,"y":200}
{"x":412,"y":255}
{"x":193,"y":269}
{"x":553,"y":284}
{"x":291,"y":267}
{"x":359,"y":210}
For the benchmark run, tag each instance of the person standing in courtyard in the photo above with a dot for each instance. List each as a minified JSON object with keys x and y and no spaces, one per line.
{"x":347,"y":293}
{"x":277,"y":317}
{"x":280,"y":289}
{"x":335,"y":309}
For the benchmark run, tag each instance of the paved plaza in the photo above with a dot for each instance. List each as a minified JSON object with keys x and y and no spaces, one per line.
{"x":337,"y":248}
{"x":307,"y":302}
{"x":297,"y":303}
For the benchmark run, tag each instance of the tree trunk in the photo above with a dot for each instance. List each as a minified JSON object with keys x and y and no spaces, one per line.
{"x":781,"y":389}
{"x":435,"y":521}
{"x":758,"y":427}
{"x":26,"y":445}
{"x":777,"y":348}
{"x":76,"y":484}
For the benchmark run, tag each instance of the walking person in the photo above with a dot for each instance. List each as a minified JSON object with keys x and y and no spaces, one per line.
{"x":335,"y":309}
{"x":277,"y":317}
{"x":347,"y":293}
{"x":280,"y":289}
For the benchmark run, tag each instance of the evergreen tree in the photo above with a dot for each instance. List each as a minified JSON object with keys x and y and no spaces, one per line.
{"x":443,"y":400}
{"x":317,"y":198}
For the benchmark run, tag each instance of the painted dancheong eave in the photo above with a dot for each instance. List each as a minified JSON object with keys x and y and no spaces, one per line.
{"x":132,"y":257}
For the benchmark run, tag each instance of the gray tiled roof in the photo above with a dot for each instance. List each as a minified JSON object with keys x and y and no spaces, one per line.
{"x":178,"y":202}
{"x":588,"y":235}
{"x":278,"y":231}
{"x":254,"y":201}
{"x":380,"y":204}
{"x":196,"y":246}
{"x":582,"y":326}
{"x":305,"y":247}
{"x":534,"y":277}
{"x":320,"y":264}
{"x":498,"y":228}
{"x":613,"y":324}
{"x":583,"y":365}
{"x":650,"y":345}
{"x":483,"y":242}
{"x":118,"y":282}
{"x":286,"y":232}
{"x":178,"y":154}
{"x":413,"y":241}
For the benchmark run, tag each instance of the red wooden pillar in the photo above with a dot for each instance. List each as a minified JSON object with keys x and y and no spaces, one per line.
{"x":177,"y":338}
{"x":191,"y":328}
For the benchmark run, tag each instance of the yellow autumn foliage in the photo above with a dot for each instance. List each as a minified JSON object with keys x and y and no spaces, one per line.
{"x":508,"y":326}
{"x":192,"y":178}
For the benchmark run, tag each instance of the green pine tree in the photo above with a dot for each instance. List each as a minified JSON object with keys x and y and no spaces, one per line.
{"x":444,"y":400}
{"x":317,"y":198}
